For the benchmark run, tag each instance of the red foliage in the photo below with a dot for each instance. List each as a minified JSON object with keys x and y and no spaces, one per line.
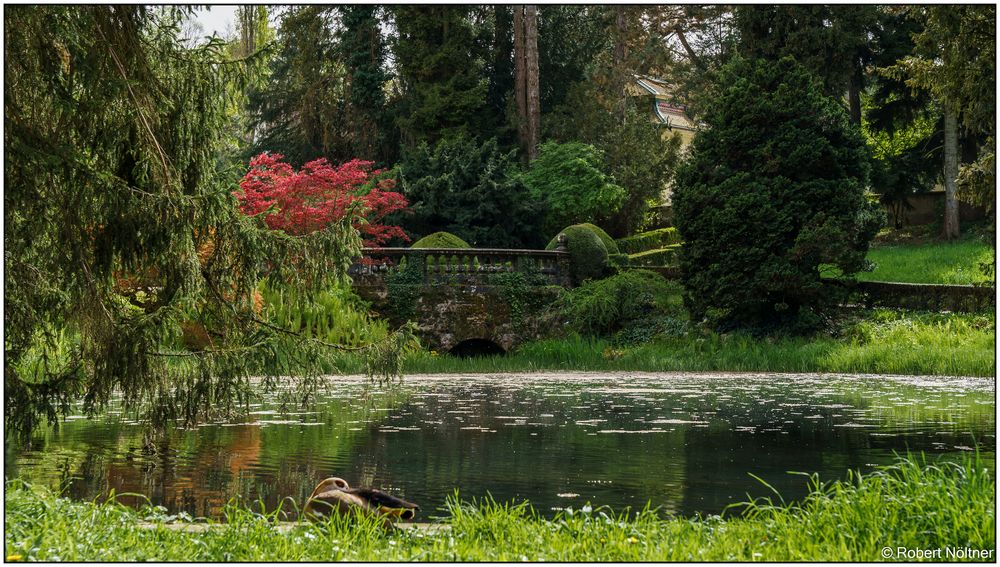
{"x":319,"y":194}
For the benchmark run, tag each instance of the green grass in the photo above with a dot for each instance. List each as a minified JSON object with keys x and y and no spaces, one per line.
{"x":884,"y":342}
{"x":912,"y":505}
{"x":931,"y":262}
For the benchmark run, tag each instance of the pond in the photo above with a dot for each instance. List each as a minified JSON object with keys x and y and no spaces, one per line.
{"x":685,"y":443}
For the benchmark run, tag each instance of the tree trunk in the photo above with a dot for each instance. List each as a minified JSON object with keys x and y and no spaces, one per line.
{"x":520,"y":81}
{"x":620,"y":54}
{"x":950,"y":174}
{"x":854,"y":96}
{"x":531,"y":64}
{"x":246,"y":18}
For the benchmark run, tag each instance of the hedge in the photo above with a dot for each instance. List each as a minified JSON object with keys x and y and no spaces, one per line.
{"x":651,"y":240}
{"x":666,"y":256}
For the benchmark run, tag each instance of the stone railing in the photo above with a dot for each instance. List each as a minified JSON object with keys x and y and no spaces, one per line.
{"x":934,"y":297}
{"x":470,"y":266}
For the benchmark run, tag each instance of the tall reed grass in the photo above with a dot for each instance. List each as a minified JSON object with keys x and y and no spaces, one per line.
{"x":335,"y":315}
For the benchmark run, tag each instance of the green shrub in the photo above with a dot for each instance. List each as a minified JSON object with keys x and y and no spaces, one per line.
{"x":587,"y":255}
{"x":569,"y":179}
{"x":619,"y":261}
{"x":646,"y":329}
{"x":666,"y":256}
{"x":440,"y":240}
{"x":336,"y":315}
{"x":471,"y":190}
{"x":609,"y":242}
{"x":773,"y":188}
{"x":636,"y":152}
{"x":649,"y":240}
{"x":605,"y":306}
{"x":403,"y":287}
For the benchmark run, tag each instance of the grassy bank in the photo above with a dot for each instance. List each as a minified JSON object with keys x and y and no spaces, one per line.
{"x":930,"y":262}
{"x":884,"y":342}
{"x":908,"y":505}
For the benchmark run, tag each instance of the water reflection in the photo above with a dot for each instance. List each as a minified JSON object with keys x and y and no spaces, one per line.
{"x":684,"y":443}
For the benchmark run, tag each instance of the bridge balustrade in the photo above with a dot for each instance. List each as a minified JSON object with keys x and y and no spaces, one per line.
{"x":471,"y":266}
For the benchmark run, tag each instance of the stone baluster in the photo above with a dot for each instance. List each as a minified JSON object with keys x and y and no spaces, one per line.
{"x":433,"y":265}
{"x":563,"y":271}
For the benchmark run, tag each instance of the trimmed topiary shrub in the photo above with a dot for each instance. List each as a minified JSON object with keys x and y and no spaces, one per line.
{"x":650,"y":240}
{"x":666,"y":256}
{"x":609,"y":242}
{"x":619,"y":262}
{"x":588,"y":255}
{"x":605,"y":306}
{"x":440,"y":240}
{"x":773,"y":188}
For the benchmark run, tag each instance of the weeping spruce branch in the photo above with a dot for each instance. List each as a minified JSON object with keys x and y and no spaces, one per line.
{"x":122,"y":237}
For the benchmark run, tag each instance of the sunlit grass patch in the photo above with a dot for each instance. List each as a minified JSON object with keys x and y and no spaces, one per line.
{"x":933,"y":262}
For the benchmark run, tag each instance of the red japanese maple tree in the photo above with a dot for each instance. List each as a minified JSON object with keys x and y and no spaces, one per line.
{"x":318,"y":194}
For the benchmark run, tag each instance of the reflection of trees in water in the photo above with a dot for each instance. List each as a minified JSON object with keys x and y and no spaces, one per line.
{"x":512,"y":464}
{"x":685,"y":469}
{"x":897,"y":405}
{"x":819,"y":432}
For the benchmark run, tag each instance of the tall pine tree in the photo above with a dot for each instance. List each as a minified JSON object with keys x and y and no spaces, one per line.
{"x":833,"y":42}
{"x":363,"y":49}
{"x":440,"y":70}
{"x":302,"y":112}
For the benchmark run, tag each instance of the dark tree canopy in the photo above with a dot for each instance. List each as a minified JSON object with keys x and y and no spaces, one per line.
{"x":439,"y":61}
{"x":301,"y":111}
{"x":569,"y":40}
{"x":833,"y":42}
{"x":471,"y":190}
{"x":364,"y":52}
{"x":772,"y":191}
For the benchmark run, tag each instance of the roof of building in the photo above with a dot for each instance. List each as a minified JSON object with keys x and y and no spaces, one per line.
{"x":665,"y":107}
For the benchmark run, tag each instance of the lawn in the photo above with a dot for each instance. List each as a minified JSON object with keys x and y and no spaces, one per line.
{"x":912,"y":505}
{"x":930,"y":262}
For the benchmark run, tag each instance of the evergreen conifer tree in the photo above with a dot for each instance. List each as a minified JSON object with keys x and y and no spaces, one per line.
{"x":440,"y":70}
{"x":773,"y":191}
{"x":302,"y":111}
{"x":364,"y":50}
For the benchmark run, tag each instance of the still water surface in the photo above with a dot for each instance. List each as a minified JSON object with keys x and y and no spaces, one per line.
{"x":685,"y":443}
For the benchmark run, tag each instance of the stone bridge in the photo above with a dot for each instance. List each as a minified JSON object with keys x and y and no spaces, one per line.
{"x":465,"y":301}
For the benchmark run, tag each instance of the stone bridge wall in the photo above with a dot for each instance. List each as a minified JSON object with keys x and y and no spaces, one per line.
{"x":458,"y":295}
{"x":449,"y":315}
